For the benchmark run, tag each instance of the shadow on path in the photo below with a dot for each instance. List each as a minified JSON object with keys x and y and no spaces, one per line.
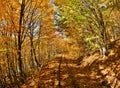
{"x":62,"y":72}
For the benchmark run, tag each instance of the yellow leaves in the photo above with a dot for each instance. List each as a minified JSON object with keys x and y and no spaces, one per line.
{"x":16,"y":5}
{"x":50,"y":9}
{"x":41,"y":3}
{"x":45,"y":3}
{"x":48,"y":18}
{"x":71,"y":11}
{"x":20,"y":1}
{"x":12,"y":12}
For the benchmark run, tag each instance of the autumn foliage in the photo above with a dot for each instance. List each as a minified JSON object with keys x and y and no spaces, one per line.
{"x":34,"y":31}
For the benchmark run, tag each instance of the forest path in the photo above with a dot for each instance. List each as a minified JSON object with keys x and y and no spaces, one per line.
{"x":88,"y":72}
{"x":62,"y":72}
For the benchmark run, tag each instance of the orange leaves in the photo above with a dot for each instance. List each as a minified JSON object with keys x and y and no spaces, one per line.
{"x":2,"y":9}
{"x":45,"y":3}
{"x":60,"y":2}
{"x":40,"y":3}
{"x":16,"y":5}
{"x":50,"y":9}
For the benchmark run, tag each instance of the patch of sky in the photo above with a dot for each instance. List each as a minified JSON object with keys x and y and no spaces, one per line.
{"x":63,"y":36}
{"x":51,"y":2}
{"x":56,"y":17}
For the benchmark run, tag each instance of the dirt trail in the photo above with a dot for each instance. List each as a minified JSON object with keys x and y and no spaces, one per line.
{"x":62,"y":73}
{"x":90,"y":72}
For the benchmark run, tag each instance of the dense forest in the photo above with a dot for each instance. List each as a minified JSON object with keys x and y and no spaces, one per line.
{"x":60,"y":44}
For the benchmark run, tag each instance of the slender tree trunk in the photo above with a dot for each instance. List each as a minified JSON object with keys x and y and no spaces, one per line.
{"x":19,"y":40}
{"x":103,"y":34}
{"x":33,"y":51}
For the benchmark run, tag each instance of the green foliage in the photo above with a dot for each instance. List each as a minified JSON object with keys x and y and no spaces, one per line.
{"x":91,"y":40}
{"x":91,"y":17}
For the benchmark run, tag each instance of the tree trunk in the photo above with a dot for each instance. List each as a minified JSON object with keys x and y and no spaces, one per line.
{"x":19,"y":40}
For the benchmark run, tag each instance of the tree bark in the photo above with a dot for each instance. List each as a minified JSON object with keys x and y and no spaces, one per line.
{"x":19,"y":40}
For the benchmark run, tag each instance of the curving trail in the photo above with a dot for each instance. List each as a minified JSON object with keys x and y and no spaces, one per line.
{"x":62,"y":72}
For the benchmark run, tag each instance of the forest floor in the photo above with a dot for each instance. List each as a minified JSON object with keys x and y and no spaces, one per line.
{"x":89,"y":72}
